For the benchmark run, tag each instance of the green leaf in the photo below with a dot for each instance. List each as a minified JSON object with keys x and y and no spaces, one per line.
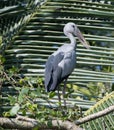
{"x":24,"y":90}
{"x":17,"y":88}
{"x":0,"y":40}
{"x":2,"y":59}
{"x":13,"y":70}
{"x":6,"y":114}
{"x":14,"y":110}
{"x":20,"y":98}
{"x":52,"y":94}
{"x":12,"y":99}
{"x":49,"y":123}
{"x":36,"y":93}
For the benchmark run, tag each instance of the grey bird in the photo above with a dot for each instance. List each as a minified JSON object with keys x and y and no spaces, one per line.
{"x":62,"y":62}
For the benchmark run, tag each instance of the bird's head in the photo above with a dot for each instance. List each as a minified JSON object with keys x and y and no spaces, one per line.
{"x":71,"y":28}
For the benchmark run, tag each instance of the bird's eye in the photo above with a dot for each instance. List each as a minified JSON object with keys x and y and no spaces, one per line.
{"x":73,"y":26}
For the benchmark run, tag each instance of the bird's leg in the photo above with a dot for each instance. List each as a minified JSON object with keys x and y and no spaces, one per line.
{"x":59,"y":97}
{"x":64,"y":89}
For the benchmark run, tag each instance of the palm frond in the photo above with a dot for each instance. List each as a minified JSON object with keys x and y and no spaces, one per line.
{"x":13,"y":16}
{"x":43,"y":35}
{"x":104,"y":122}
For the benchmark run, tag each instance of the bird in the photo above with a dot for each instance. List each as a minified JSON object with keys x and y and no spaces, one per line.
{"x":61,"y":63}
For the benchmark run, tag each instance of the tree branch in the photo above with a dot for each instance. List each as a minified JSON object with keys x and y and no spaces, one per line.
{"x":95,"y":115}
{"x":15,"y":124}
{"x":28,"y":124}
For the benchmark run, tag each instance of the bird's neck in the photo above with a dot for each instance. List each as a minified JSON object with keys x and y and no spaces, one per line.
{"x":72,"y":40}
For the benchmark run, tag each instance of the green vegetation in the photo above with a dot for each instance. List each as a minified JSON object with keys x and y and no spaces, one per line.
{"x":30,"y":32}
{"x":29,"y":95}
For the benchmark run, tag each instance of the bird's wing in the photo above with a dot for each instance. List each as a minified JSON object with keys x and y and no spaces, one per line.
{"x":68,"y":63}
{"x":51,"y":66}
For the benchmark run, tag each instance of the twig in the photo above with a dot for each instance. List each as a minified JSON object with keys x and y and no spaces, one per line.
{"x":9,"y":79}
{"x":95,"y":116}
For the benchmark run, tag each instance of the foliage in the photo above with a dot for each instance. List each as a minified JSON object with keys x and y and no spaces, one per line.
{"x":93,"y":91}
{"x":105,"y":122}
{"x":14,"y":15}
{"x":31,"y":34}
{"x":25,"y":102}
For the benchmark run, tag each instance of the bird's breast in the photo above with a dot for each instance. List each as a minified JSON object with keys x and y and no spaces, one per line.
{"x":66,"y":48}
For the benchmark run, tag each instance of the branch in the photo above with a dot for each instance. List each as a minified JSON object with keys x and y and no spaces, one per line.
{"x":95,"y":115}
{"x":28,"y":124}
{"x":15,"y":124}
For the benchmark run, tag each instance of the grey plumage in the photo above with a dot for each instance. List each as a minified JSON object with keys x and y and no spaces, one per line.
{"x":59,"y":66}
{"x":63,"y":61}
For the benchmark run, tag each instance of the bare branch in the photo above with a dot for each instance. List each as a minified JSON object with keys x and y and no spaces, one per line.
{"x":95,"y":116}
{"x":15,"y":124}
{"x":26,"y":123}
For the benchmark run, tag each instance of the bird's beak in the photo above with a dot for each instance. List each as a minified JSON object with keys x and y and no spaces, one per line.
{"x":82,"y":39}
